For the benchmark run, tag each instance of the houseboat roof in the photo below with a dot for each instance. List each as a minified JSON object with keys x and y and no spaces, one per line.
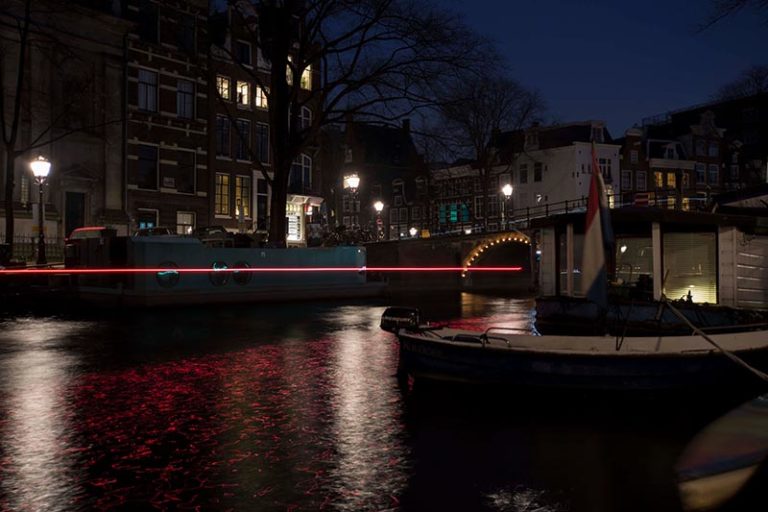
{"x":634,"y":218}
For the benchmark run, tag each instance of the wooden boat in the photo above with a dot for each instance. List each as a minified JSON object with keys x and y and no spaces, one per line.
{"x":577,"y":362}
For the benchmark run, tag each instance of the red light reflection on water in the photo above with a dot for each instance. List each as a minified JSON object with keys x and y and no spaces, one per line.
{"x":259,"y":428}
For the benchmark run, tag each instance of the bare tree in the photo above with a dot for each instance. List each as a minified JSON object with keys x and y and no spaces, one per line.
{"x":377,"y":60}
{"x":479,"y":109}
{"x":751,"y":81}
{"x":721,"y":9}
{"x":34,"y":114}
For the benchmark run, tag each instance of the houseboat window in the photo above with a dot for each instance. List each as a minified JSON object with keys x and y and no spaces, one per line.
{"x":691,"y":263}
{"x":578,"y":247}
{"x":634,"y":261}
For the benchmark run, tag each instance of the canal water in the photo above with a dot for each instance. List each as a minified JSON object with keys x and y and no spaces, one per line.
{"x":296,"y":407}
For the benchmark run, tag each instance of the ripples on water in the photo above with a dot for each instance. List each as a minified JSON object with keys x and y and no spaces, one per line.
{"x":291,"y":407}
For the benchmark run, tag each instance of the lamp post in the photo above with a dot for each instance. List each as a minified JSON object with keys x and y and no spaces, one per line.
{"x":379,"y":207}
{"x":507,"y":191}
{"x":351,"y":182}
{"x":413,"y":231}
{"x":40,"y":169}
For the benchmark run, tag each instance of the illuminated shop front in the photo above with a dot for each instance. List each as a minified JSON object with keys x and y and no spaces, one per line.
{"x":300,"y":211}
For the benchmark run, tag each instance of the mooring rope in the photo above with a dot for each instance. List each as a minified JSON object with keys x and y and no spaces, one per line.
{"x":733,"y":357}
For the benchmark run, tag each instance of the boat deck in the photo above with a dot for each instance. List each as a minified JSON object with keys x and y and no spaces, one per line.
{"x":591,"y":345}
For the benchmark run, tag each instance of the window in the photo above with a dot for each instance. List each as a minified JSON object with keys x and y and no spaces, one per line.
{"x":146,"y":169}
{"x":671,"y":180}
{"x":185,"y":33}
{"x":633,"y":156}
{"x":605,"y":167}
{"x":306,"y":78}
{"x":222,"y":86}
{"x":701,"y":147}
{"x":222,"y":136}
{"x":658,"y":179}
{"x":243,"y":94}
{"x":185,"y":222}
{"x":262,"y":207}
{"x":243,"y":52}
{"x":222,"y":194}
{"x":478,"y":207}
{"x":243,"y":195}
{"x":714,"y":150}
{"x":537,"y":171}
{"x":626,"y":180}
{"x":684,"y":252}
{"x":641,"y":180}
{"x":148,"y":28}
{"x":714,"y":174}
{"x":185,"y":99}
{"x":523,"y":173}
{"x":305,"y":118}
{"x":262,"y":142}
{"x":301,"y":173}
{"x":243,"y":140}
{"x":185,"y":172}
{"x":147,"y":90}
{"x":24,"y":189}
{"x":700,"y":174}
{"x":734,"y":172}
{"x":415,"y":213}
{"x":260,"y":98}
{"x":686,"y":180}
{"x":261,"y":61}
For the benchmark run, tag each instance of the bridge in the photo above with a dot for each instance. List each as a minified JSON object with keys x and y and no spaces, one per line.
{"x":505,"y":248}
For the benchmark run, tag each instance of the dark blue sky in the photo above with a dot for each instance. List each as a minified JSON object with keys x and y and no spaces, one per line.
{"x":618,"y":61}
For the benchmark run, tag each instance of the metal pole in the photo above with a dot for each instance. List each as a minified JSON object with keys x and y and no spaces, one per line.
{"x":41,"y":260}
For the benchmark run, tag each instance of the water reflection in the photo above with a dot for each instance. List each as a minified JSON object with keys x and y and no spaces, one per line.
{"x":296,"y":407}
{"x":38,"y":467}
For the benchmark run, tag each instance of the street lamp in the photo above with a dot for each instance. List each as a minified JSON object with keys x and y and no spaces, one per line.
{"x":379,"y":207}
{"x":413,"y":232}
{"x":351,"y":182}
{"x":40,"y":169}
{"x":507,"y":191}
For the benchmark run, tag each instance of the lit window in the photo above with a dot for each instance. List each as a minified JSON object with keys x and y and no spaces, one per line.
{"x":671,"y":180}
{"x":658,"y":179}
{"x":222,"y":194}
{"x":185,"y":222}
{"x":261,"y":97}
{"x":222,"y":86}
{"x":243,"y":94}
{"x":306,"y":78}
{"x":243,"y":195}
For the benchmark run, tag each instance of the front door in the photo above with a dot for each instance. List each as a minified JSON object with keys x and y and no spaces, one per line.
{"x":74,"y":211}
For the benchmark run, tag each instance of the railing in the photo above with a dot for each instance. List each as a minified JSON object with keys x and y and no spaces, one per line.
{"x":25,"y":248}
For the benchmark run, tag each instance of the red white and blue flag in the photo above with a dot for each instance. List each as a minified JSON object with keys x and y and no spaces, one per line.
{"x":598,"y":239}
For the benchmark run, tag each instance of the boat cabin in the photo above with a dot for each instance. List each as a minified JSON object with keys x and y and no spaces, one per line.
{"x":699,"y":257}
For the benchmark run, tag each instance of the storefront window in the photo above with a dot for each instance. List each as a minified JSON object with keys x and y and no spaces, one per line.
{"x":634,"y":261}
{"x":690,"y":266}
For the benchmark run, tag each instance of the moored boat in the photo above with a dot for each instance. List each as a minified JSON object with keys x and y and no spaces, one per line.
{"x":579,"y":362}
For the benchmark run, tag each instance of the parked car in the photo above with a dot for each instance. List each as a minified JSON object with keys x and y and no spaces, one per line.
{"x":73,"y":242}
{"x":215,"y":235}
{"x":155,"y":231}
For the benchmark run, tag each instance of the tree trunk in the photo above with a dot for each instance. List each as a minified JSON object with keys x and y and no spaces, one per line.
{"x":277,"y":207}
{"x":10,"y":160}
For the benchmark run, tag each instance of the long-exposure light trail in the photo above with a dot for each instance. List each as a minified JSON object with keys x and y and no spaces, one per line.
{"x":153,"y":270}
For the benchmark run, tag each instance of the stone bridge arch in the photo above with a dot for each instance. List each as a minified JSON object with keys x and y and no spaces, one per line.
{"x":485,"y":244}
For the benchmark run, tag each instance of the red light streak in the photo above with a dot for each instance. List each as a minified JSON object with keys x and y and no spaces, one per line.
{"x":154,"y":270}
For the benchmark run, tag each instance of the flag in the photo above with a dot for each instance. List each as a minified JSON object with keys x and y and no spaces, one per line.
{"x":598,"y":239}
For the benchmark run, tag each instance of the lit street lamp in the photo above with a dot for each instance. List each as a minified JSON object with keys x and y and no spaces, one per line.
{"x":351,"y":183}
{"x":40,"y":169}
{"x":379,"y":207}
{"x":507,"y":191}
{"x":413,"y":232}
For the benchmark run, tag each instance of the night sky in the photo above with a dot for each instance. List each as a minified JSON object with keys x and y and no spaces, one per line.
{"x":618,"y":61}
